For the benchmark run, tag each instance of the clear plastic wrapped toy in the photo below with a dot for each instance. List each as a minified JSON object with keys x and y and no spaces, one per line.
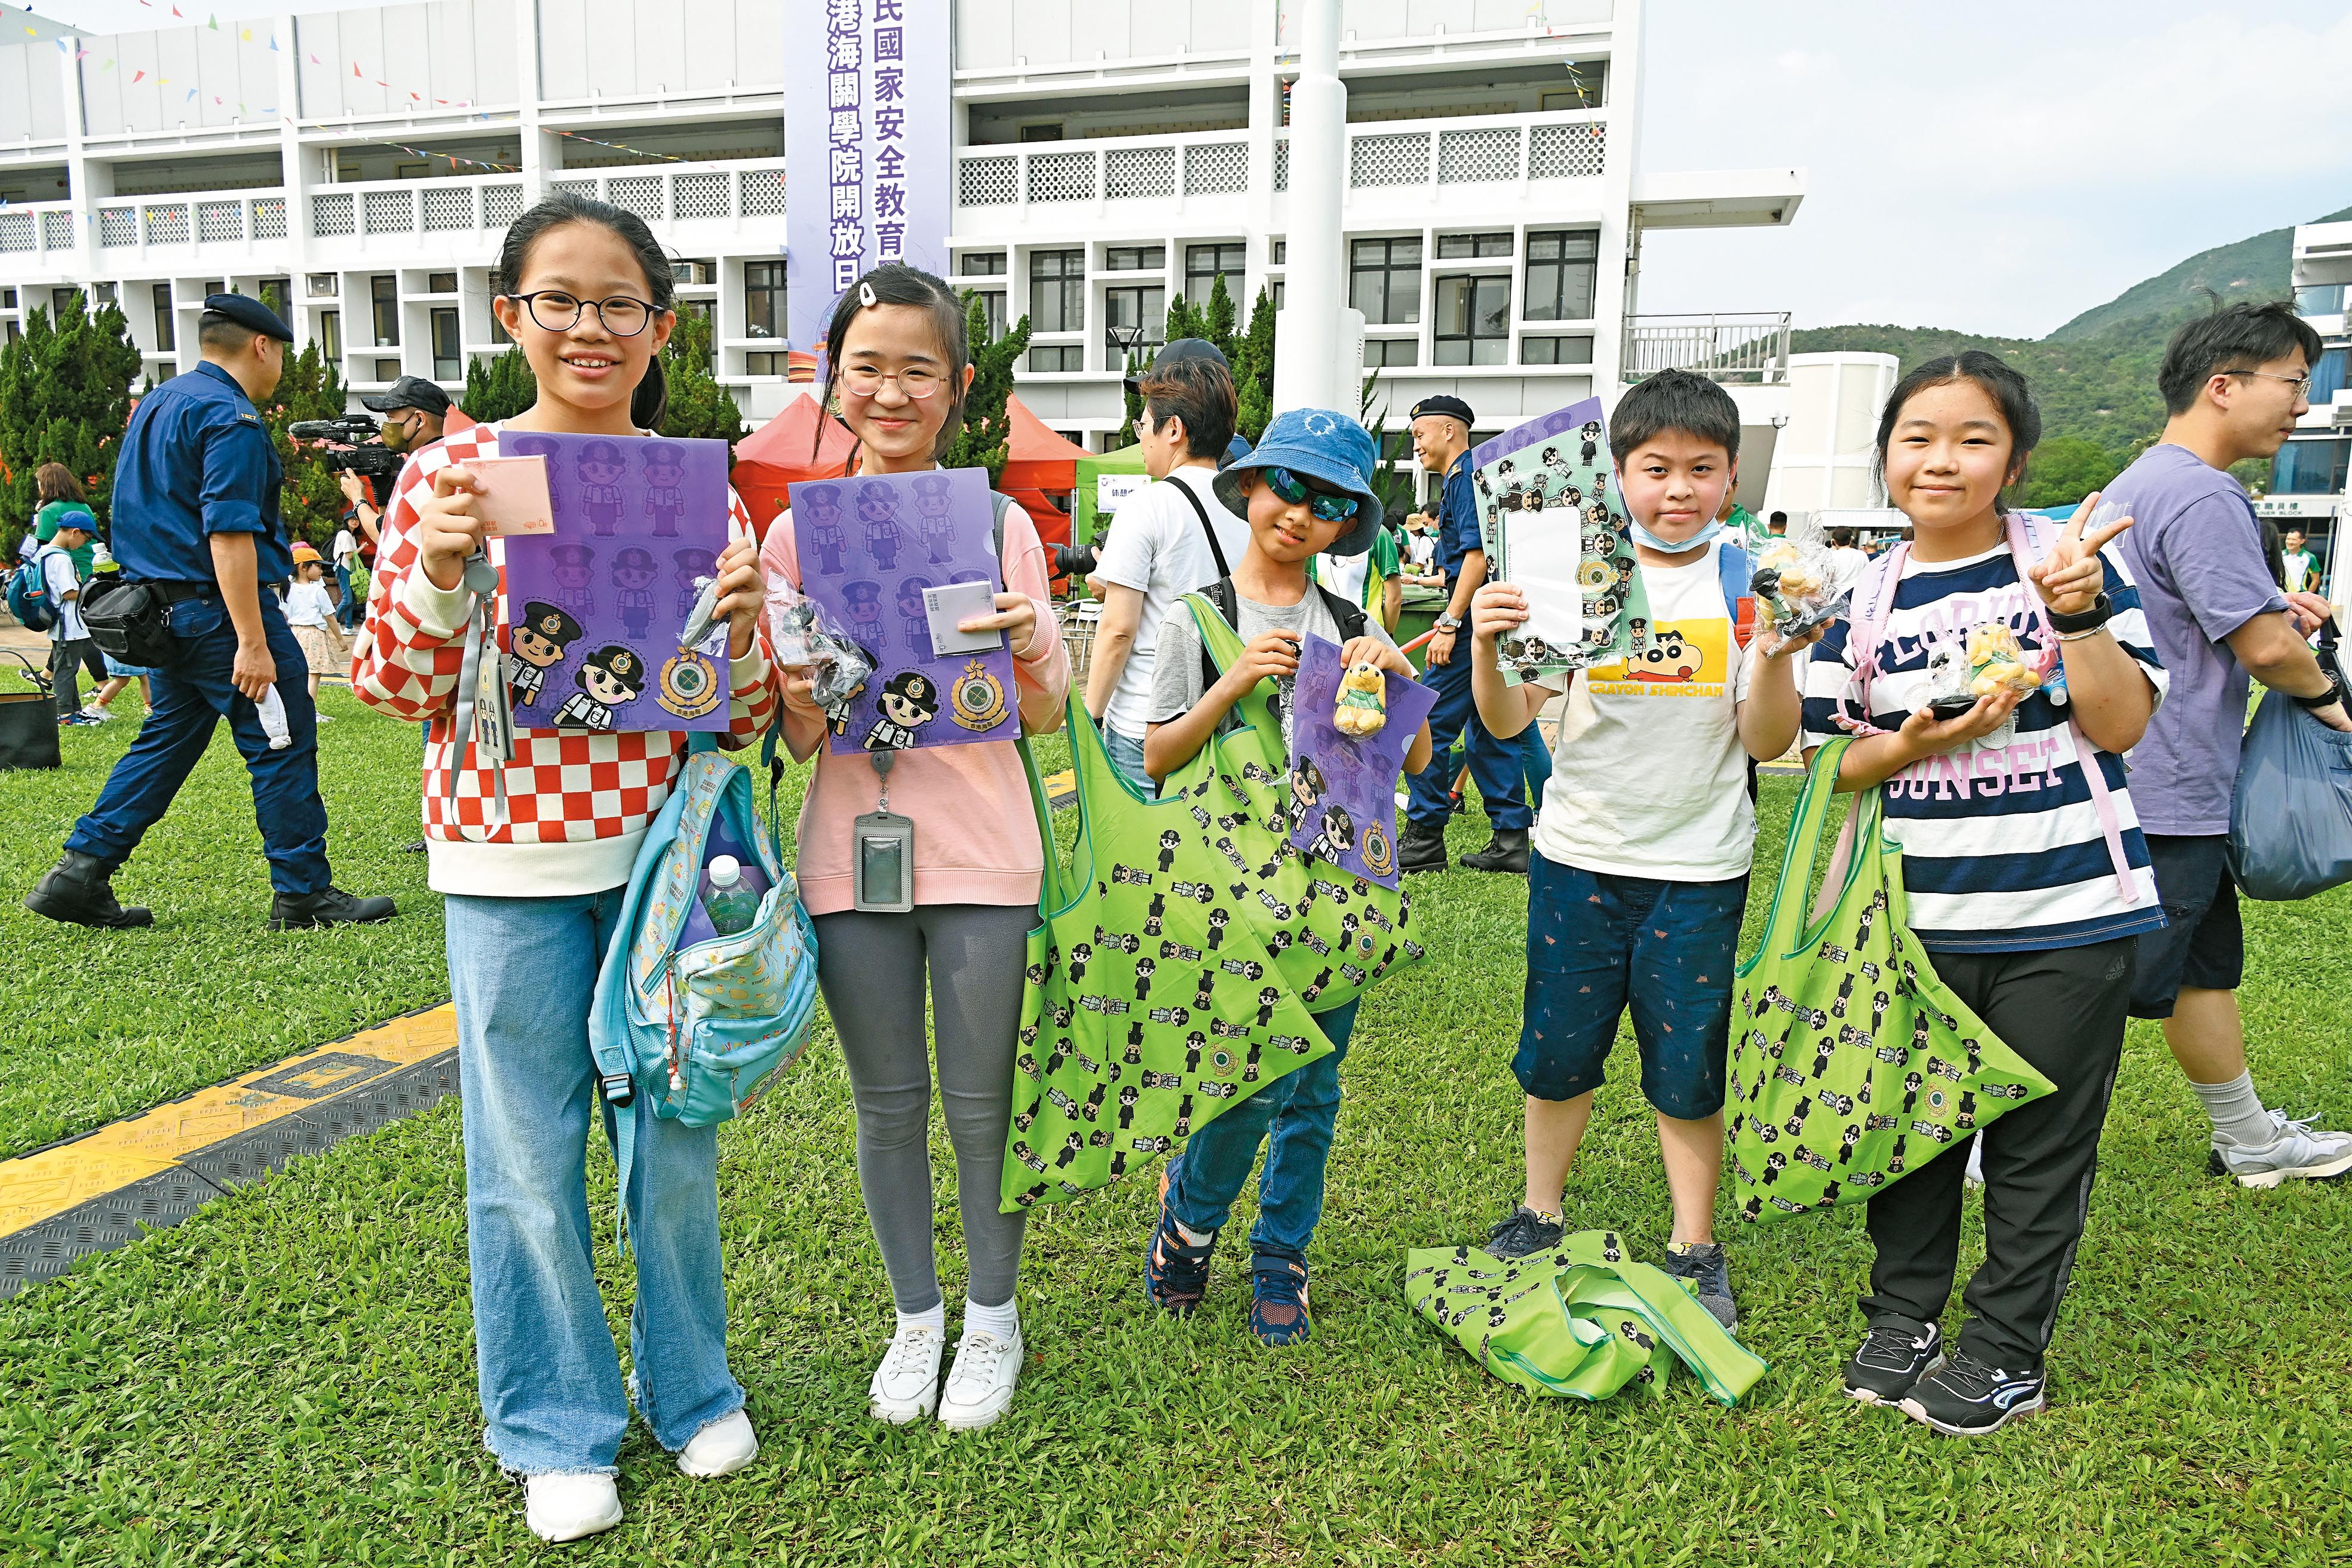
{"x":1996,"y":662}
{"x":1363,"y":706}
{"x":1801,"y":584}
{"x":799,"y":638}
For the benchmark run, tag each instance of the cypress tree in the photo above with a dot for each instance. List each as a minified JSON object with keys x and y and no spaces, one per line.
{"x":65,"y":397}
{"x":1253,"y":359}
{"x":698,"y":405}
{"x":310,"y":502}
{"x":985,"y":440}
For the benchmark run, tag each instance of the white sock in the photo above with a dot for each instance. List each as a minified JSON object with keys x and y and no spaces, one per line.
{"x":935,"y":1320}
{"x":2237,"y":1110}
{"x":1003,"y":1322}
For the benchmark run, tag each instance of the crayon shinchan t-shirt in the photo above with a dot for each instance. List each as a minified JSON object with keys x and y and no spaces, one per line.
{"x":1648,"y":777}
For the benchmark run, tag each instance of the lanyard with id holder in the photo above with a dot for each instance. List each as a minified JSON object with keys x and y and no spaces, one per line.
{"x":883,"y":843}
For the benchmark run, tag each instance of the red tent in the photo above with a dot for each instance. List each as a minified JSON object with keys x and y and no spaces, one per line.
{"x":778,"y":456}
{"x":1040,"y":467}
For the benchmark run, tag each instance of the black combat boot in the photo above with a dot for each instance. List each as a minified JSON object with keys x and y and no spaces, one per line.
{"x":1507,"y":852}
{"x":328,"y":906}
{"x":79,"y":891}
{"x":1422,"y":847}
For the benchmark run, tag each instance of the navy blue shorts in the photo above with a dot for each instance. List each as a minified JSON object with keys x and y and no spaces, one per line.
{"x":1598,"y":942}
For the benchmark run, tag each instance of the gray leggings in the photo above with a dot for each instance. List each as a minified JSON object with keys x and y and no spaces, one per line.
{"x":871,"y":967}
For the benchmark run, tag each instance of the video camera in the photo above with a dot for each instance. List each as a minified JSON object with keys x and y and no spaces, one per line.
{"x":354,"y":442}
{"x":1074,"y":560}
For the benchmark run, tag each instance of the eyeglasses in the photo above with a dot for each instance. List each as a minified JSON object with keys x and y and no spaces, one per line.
{"x":552,"y":310}
{"x":2302,"y":383}
{"x":1331,"y":508}
{"x":916,"y":381}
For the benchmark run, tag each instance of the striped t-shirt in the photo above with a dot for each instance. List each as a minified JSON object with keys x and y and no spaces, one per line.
{"x":2002,"y":846}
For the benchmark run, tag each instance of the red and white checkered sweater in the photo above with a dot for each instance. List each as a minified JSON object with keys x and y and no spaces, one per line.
{"x":578,"y":802}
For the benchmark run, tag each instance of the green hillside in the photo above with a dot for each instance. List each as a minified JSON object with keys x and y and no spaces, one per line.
{"x":2095,"y":376}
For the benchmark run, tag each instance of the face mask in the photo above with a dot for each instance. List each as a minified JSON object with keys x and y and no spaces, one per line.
{"x":1643,"y":536}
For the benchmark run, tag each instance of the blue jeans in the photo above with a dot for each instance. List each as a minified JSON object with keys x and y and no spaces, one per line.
{"x":522,"y":972}
{"x":1127,"y":756}
{"x":192,"y":695}
{"x":1499,"y":767}
{"x":1302,"y":1109}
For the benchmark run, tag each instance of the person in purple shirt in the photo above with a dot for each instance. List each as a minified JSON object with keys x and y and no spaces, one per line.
{"x":2234,"y":383}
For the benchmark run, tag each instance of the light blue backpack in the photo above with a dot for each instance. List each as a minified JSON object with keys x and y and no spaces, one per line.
{"x":702,"y":1030}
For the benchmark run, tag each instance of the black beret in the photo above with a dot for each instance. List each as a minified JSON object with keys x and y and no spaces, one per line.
{"x":250,"y":314}
{"x":1451,"y":407}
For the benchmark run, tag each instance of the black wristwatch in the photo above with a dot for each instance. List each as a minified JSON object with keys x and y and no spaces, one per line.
{"x":2090,"y":620}
{"x":2333,"y":694}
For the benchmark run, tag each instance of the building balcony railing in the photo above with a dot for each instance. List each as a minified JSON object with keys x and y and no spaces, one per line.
{"x":1750,"y":348}
{"x":684,"y":193}
{"x":214,"y":218}
{"x":1495,"y":150}
{"x":46,"y":226}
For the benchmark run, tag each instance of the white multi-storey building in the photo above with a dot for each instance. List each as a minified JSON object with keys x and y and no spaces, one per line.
{"x":1108,"y":155}
{"x":2313,"y":471}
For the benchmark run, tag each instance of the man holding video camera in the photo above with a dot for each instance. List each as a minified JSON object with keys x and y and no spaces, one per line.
{"x":414,"y":412}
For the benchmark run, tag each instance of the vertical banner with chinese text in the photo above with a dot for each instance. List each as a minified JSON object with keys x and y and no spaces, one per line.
{"x":866,"y":145}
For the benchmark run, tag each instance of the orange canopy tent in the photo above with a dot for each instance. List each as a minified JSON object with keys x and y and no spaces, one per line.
{"x":1039,"y":465}
{"x":786,"y":450}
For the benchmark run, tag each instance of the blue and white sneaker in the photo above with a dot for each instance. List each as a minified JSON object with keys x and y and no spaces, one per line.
{"x":1968,"y":1398}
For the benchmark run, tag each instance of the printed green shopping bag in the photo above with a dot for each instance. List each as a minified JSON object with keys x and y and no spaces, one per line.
{"x":1583,"y":1320}
{"x":1852,"y":1063}
{"x":1176,"y":972}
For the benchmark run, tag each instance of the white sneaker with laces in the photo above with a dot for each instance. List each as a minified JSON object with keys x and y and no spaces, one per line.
{"x":906,"y":1386}
{"x":2299,"y":1151}
{"x":569,"y":1507}
{"x":980,"y":1384}
{"x":721,"y":1449}
{"x":95,"y":713}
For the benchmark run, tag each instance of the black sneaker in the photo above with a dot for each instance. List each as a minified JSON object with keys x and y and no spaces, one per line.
{"x":1702,"y":1264}
{"x":80,"y":891}
{"x":1522,"y":1231}
{"x":1175,"y":1273}
{"x":328,"y":906}
{"x":1505,"y":851}
{"x":1422,"y":847}
{"x":1968,"y":1398}
{"x":1890,"y":1358}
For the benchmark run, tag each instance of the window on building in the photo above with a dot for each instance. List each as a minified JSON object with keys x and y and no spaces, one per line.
{"x":15,"y":331}
{"x":2319,"y":299}
{"x":167,"y":325}
{"x":1467,"y":247}
{"x":2319,"y":468}
{"x":7,"y":300}
{"x":1135,"y":258}
{"x":1391,"y":352}
{"x":211,"y":286}
{"x":384,"y":290}
{"x":1474,"y":320}
{"x":448,"y":359}
{"x":992,"y":302}
{"x":763,"y":300}
{"x":62,"y":303}
{"x":981,"y":264}
{"x":1279,"y":288}
{"x":1555,"y":350}
{"x":1058,"y":356}
{"x":330,"y":339}
{"x":322,"y":285}
{"x":1203,"y":263}
{"x":1560,"y":274}
{"x":440,"y":283}
{"x":764,"y":364}
{"x":2327,"y":377}
{"x":387,"y":370}
{"x":106,"y":293}
{"x":1587,"y":87}
{"x":1278,"y":253}
{"x":277,"y":293}
{"x":1058,"y":291}
{"x":1384,"y":281}
{"x":1144,"y":305}
{"x":1043,"y":130}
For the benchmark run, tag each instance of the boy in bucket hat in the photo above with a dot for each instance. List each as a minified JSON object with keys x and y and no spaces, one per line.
{"x":1306,"y":489}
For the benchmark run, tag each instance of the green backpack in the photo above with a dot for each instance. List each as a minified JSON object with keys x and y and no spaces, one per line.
{"x":1176,"y":970}
{"x":1852,"y":1063}
{"x":1583,"y":1320}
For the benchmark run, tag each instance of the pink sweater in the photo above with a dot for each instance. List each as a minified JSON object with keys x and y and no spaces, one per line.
{"x":975,"y":830}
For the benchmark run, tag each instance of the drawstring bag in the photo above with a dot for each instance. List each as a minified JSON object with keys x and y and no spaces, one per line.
{"x":1852,"y":1063}
{"x":703,"y":1029}
{"x":1177,"y":971}
{"x":1584,"y":1320}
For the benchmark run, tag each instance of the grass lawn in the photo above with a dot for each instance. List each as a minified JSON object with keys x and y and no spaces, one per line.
{"x":288,"y":1376}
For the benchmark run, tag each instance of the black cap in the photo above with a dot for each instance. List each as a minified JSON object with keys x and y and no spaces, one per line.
{"x":248,"y":313}
{"x":1451,"y":407}
{"x":1177,"y":352}
{"x":410,"y":392}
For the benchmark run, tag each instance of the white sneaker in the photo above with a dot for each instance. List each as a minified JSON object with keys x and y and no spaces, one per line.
{"x":2299,"y":1150}
{"x":980,"y":1385}
{"x":95,"y":714}
{"x":568,"y":1507}
{"x":906,"y":1386}
{"x":721,"y":1449}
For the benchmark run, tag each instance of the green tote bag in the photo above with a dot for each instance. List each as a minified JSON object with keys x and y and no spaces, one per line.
{"x":1177,"y":970}
{"x":1583,"y":1320}
{"x":1852,"y":1063}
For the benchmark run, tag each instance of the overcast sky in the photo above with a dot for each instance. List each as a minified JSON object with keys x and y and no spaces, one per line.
{"x":1991,"y":166}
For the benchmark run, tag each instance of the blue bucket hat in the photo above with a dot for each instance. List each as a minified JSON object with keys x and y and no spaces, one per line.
{"x":1315,"y":444}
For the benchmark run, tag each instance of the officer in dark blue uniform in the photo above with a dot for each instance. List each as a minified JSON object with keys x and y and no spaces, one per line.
{"x":196,"y":514}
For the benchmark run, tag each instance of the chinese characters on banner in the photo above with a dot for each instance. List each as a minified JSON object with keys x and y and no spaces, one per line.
{"x":865,"y":132}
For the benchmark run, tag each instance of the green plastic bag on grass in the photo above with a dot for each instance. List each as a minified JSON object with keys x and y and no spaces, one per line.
{"x":1176,"y":971}
{"x":1852,"y":1063}
{"x":1583,"y":1320}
